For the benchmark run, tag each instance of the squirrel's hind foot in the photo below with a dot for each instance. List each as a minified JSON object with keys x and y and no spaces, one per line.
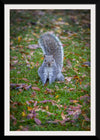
{"x":60,"y":77}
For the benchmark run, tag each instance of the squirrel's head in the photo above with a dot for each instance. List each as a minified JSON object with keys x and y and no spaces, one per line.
{"x":49,"y":60}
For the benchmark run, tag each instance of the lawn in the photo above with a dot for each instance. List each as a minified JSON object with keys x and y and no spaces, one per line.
{"x":61,"y":106}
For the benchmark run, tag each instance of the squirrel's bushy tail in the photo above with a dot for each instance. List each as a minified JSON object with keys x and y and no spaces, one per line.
{"x":51,"y":45}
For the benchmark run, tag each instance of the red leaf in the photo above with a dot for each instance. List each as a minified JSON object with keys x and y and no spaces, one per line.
{"x":36,"y":88}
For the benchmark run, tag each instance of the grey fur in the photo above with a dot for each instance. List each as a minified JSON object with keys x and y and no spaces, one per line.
{"x":53,"y":60}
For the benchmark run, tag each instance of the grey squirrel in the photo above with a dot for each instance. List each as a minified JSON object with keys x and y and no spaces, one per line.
{"x":53,"y":58}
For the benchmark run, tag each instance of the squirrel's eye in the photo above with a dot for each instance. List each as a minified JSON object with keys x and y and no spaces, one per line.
{"x":52,"y":60}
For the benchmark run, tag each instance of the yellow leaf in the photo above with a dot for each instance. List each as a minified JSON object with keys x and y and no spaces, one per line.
{"x":37,"y":27}
{"x":58,"y":31}
{"x":23,"y":114}
{"x":36,"y":35}
{"x":60,"y":19}
{"x":29,"y":108}
{"x":47,"y":107}
{"x":19,"y":38}
{"x":57,"y":96}
{"x":73,"y":101}
{"x":31,"y":67}
{"x":42,"y":58}
{"x":66,"y":23}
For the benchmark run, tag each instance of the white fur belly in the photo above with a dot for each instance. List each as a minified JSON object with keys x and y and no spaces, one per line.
{"x":48,"y":71}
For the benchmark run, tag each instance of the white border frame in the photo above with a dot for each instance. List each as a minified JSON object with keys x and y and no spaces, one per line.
{"x":7,"y":8}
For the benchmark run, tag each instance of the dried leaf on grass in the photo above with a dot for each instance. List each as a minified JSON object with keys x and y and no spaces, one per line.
{"x":20,"y":86}
{"x":37,"y":121}
{"x":33,"y":46}
{"x":36,"y":88}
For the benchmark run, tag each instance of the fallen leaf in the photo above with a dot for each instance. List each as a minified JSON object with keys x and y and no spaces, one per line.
{"x":36,"y":88}
{"x":23,"y":114}
{"x":34,"y":46}
{"x":26,"y":87}
{"x":26,"y":128}
{"x":14,"y":62}
{"x":29,"y":108}
{"x":19,"y":39}
{"x":25,"y":79}
{"x":73,"y":101}
{"x":68,"y":78}
{"x":30,"y":116}
{"x":33,"y":94}
{"x":16,"y":86}
{"x":37,"y":121}
{"x":85,"y":117}
{"x":76,"y":70}
{"x":71,"y":89}
{"x":43,"y":110}
{"x":59,"y":19}
{"x":85,"y":64}
{"x":74,"y":111}
{"x":62,"y":115}
{"x":76,"y":77}
{"x":57,"y":96}
{"x":84,"y":97}
{"x":49,"y":90}
{"x":37,"y":64}
{"x":47,"y":107}
{"x":35,"y":103}
{"x":53,"y":122}
{"x":45,"y":101}
{"x":27,"y":102}
{"x":12,"y":117}
{"x":69,"y":65}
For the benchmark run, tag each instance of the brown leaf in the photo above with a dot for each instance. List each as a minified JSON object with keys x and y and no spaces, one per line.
{"x":36,"y":88}
{"x":85,"y":117}
{"x":69,"y":65}
{"x":25,"y":79}
{"x":17,"y":86}
{"x":33,"y":94}
{"x":26,"y":87}
{"x":73,"y":101}
{"x":14,"y":62}
{"x":84,"y":97}
{"x":71,"y":89}
{"x":29,"y":108}
{"x":31,"y":115}
{"x":49,"y":90}
{"x":43,"y":110}
{"x":68,"y":78}
{"x":62,"y":115}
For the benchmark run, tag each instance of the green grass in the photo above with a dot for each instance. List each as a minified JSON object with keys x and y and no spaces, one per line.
{"x":75,"y":36}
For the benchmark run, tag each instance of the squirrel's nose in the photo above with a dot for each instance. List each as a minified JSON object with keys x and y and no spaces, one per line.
{"x":48,"y":64}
